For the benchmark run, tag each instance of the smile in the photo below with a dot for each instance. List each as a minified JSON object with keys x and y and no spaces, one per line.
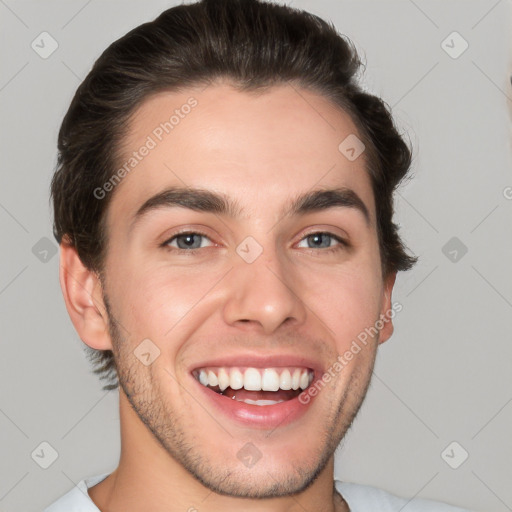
{"x":256,"y":386}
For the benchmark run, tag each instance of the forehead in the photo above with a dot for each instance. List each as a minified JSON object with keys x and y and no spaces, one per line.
{"x":260,"y":148}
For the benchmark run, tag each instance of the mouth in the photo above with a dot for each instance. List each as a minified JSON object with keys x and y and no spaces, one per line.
{"x":262,"y":387}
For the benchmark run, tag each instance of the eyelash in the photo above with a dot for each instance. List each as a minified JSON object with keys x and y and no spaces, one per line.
{"x":342,"y":244}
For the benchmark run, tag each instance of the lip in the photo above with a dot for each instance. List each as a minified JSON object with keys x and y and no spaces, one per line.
{"x":255,"y":416}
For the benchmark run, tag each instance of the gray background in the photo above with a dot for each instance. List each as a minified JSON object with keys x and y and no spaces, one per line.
{"x":444,"y":376}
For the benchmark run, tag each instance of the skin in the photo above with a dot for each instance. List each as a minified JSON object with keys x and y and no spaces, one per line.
{"x":177,"y":452}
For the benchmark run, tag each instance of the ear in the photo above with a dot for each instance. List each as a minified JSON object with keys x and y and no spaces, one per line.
{"x":387,"y":329}
{"x":81,"y":288}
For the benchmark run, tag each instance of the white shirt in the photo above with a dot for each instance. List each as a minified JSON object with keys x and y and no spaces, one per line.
{"x":360,"y":498}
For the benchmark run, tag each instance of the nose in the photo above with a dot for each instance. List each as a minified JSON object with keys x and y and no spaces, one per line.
{"x":264,"y":294}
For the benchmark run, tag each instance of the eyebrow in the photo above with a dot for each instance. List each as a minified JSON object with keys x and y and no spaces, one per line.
{"x":202,"y":200}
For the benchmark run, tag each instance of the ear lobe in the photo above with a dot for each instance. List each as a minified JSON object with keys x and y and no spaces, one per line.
{"x":81,"y":289}
{"x":387,"y":329}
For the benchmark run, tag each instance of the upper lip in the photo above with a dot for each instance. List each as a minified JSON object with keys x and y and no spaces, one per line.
{"x":261,"y":361}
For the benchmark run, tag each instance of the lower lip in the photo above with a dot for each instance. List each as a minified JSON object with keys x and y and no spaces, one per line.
{"x":258,"y":416}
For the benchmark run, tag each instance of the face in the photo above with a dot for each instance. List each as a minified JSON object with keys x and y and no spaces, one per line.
{"x":245,"y":286}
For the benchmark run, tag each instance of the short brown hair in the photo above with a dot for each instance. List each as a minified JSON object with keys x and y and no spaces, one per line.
{"x":254,"y":44}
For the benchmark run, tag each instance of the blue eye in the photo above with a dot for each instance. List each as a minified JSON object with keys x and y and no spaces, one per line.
{"x":321,"y":240}
{"x":192,"y":241}
{"x":186,"y":241}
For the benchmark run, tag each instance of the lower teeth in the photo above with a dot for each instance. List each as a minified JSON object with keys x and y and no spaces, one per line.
{"x":259,"y":402}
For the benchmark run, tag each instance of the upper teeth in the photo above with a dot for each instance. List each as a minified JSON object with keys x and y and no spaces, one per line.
{"x":256,"y":379}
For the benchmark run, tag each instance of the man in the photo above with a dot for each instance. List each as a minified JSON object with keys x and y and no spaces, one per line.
{"x":223,"y":202}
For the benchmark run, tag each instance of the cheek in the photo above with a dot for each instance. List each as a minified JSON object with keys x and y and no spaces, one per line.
{"x":162,"y":302}
{"x":158,"y":301}
{"x":348,"y":302}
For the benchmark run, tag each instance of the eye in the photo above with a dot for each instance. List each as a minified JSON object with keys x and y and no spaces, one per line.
{"x":187,"y":241}
{"x":190,"y":241}
{"x":322,"y":240}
